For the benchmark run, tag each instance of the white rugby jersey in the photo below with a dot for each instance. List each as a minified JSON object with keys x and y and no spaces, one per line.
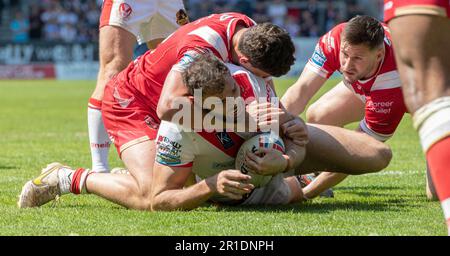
{"x":208,"y":152}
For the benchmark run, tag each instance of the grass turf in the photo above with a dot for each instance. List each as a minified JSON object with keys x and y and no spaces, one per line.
{"x":45,"y":121}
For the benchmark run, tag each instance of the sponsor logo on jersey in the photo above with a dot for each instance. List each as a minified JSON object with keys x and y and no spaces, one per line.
{"x":380,"y":107}
{"x":186,"y":60}
{"x":168,"y":151}
{"x":125,"y":10}
{"x":318,"y":58}
{"x":225,"y":139}
{"x":150,"y":121}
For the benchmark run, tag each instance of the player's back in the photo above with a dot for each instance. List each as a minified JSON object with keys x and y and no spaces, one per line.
{"x":213,"y":33}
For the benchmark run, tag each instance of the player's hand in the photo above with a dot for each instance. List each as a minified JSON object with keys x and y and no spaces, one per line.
{"x":266,"y":115}
{"x":231,"y":183}
{"x":266,"y":161}
{"x":296,"y":130}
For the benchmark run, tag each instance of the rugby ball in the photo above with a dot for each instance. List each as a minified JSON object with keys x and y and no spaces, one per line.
{"x":262,"y":140}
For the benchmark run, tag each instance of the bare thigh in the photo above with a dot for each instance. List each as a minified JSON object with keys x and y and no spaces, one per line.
{"x":336,"y":149}
{"x":116,"y":52}
{"x":339,"y":106}
{"x":139,"y":160}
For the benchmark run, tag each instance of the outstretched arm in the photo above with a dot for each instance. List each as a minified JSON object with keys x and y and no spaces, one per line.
{"x":300,"y":93}
{"x":168,"y":193}
{"x":173,"y":89}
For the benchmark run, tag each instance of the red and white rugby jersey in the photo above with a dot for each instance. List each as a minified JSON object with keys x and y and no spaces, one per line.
{"x":207,"y":152}
{"x":325,"y":60}
{"x":381,"y":93}
{"x":213,"y":33}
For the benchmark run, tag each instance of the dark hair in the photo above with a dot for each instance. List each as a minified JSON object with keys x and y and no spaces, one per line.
{"x":269,"y":48}
{"x":208,"y":73}
{"x":364,"y":30}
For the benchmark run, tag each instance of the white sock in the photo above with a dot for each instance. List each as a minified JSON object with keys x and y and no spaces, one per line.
{"x":446,"y":207}
{"x":98,"y":137}
{"x":65,"y":180}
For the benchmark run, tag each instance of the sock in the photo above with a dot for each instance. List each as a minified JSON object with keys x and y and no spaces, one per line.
{"x":65,"y":180}
{"x":438,"y":159}
{"x":98,"y":137}
{"x":78,"y":181}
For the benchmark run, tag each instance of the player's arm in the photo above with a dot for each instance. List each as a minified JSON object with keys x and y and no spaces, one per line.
{"x":271,"y":161}
{"x":300,"y":93}
{"x":172,"y":90}
{"x":291,"y":126}
{"x":168,"y":193}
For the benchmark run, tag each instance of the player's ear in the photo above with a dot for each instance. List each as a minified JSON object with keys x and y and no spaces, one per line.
{"x":380,"y":53}
{"x":243,"y":60}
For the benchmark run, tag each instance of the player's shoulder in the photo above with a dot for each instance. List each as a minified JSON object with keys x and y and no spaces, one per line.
{"x":235,"y":15}
{"x":330,"y":41}
{"x":336,"y":31}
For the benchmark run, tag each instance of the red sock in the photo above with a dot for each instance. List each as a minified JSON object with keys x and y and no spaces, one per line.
{"x":438,"y":157}
{"x":95,"y":104}
{"x":77,"y":181}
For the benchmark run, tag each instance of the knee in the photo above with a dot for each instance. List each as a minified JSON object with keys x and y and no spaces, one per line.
{"x":315,"y":115}
{"x":142,"y":197}
{"x":113,"y":67}
{"x":383,"y":156}
{"x":145,"y":202}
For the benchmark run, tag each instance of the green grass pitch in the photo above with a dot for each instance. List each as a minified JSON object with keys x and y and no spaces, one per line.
{"x":45,"y":121}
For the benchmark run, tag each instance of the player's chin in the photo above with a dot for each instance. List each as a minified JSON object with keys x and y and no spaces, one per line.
{"x":350,"y":79}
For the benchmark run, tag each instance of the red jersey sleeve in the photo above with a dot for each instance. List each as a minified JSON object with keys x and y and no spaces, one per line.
{"x":325,"y":59}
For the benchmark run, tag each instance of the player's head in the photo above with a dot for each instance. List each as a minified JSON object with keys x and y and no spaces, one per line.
{"x":362,"y":48}
{"x":212,"y":76}
{"x":266,"y":50}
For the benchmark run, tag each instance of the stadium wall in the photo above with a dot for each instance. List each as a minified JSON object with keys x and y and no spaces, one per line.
{"x":79,"y":61}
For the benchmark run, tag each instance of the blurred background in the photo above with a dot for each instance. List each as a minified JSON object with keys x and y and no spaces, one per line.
{"x":59,"y":39}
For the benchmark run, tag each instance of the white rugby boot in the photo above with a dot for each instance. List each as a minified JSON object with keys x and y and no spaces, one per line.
{"x":46,"y":187}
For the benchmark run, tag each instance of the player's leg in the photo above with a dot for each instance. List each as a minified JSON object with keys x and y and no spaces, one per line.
{"x":345,"y":151}
{"x":130,"y":190}
{"x":429,"y":188}
{"x":424,"y":64}
{"x":338,"y":152}
{"x":338,"y":107}
{"x":320,"y":185}
{"x":169,"y":16}
{"x":116,"y":52}
{"x":296,"y":189}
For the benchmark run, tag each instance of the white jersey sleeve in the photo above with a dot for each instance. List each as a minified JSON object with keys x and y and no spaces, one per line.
{"x":173,"y":146}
